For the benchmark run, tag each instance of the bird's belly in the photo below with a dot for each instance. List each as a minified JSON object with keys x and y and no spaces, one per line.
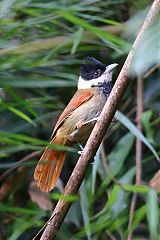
{"x":81,"y":134}
{"x":78,"y":126}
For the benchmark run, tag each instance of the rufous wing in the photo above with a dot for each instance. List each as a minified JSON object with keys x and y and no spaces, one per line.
{"x":81,"y":96}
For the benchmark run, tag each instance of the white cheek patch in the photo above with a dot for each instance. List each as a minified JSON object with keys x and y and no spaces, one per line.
{"x":83,"y":84}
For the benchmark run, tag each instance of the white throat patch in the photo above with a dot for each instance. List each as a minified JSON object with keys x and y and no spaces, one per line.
{"x":105,"y":77}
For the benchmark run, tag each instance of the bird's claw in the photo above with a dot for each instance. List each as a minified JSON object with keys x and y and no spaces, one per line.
{"x":80,"y":152}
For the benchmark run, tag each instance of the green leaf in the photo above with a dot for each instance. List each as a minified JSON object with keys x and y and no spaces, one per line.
{"x":146,"y":55}
{"x":113,"y":200}
{"x":16,"y":164}
{"x":118,"y":223}
{"x":134,"y":130}
{"x":74,"y":215}
{"x":5,"y":151}
{"x":13,"y":209}
{"x":123,"y":197}
{"x":116,"y":158}
{"x":120,"y":153}
{"x":139,"y":215}
{"x":21,"y":114}
{"x":76,"y":41}
{"x":146,"y":120}
{"x":19,"y":230}
{"x":113,"y":196}
{"x":153,"y":214}
{"x":136,"y":188}
{"x":67,"y":198}
{"x":107,"y":37}
{"x":95,"y":167}
{"x":35,"y":83}
{"x":19,"y":138}
{"x":85,"y":208}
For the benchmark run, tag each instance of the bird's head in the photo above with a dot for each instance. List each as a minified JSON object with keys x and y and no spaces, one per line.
{"x":93,"y":73}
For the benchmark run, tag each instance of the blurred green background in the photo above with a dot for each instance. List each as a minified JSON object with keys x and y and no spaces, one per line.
{"x":42,"y":45}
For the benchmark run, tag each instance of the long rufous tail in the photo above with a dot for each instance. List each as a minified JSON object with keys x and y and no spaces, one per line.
{"x":49,"y":167}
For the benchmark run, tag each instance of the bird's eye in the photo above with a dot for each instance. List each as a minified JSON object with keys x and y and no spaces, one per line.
{"x":97,"y":73}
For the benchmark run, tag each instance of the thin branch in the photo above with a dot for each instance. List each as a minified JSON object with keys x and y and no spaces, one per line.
{"x":97,"y":134}
{"x":150,"y":71}
{"x":110,"y":235}
{"x":138,"y":151}
{"x":17,"y":164}
{"x":132,"y":208}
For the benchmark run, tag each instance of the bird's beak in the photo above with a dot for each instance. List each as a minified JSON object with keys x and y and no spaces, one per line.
{"x":110,"y":67}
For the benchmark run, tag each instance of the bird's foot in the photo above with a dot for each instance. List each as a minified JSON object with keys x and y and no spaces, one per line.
{"x":80,"y":152}
{"x":92,"y":120}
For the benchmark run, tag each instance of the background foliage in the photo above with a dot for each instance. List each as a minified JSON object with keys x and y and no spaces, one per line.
{"x":42,"y":46}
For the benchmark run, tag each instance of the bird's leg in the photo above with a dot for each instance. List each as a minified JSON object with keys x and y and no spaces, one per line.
{"x":81,"y":124}
{"x":92,"y":120}
{"x":80,"y":152}
{"x":81,"y":147}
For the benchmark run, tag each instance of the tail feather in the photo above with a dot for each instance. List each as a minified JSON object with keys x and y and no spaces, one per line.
{"x":49,"y":168}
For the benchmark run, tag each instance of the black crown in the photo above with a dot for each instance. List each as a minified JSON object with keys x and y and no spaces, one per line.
{"x":90,"y":66}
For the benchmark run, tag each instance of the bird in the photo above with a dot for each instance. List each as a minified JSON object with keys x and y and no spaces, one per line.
{"x":77,"y":120}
